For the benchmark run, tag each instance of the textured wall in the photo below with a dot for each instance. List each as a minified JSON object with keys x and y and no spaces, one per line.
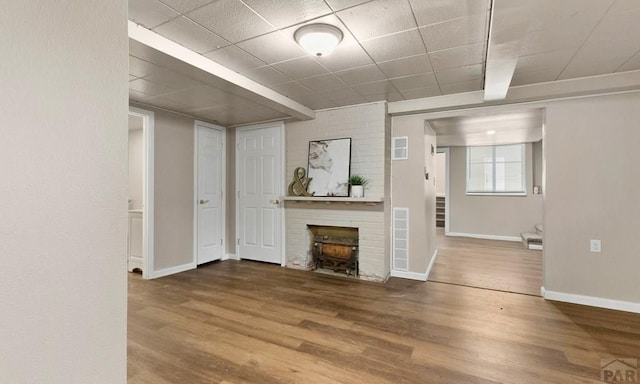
{"x":63,"y":195}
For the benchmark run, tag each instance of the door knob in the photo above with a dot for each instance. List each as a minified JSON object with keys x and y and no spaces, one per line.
{"x":204,"y":201}
{"x":275,"y":201}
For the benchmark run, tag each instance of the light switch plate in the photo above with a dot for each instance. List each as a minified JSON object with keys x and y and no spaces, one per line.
{"x":596,"y":246}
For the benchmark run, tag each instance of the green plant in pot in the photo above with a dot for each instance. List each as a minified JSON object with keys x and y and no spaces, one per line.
{"x":357,"y":184}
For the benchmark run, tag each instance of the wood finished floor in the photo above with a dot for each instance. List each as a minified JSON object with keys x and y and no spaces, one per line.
{"x":245,"y":322}
{"x":490,"y":264}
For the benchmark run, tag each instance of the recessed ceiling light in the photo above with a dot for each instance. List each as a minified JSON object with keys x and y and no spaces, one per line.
{"x":491,"y":132}
{"x":318,"y":39}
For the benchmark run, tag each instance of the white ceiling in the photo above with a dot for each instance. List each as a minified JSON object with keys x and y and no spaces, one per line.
{"x":510,"y":127}
{"x":393,"y":50}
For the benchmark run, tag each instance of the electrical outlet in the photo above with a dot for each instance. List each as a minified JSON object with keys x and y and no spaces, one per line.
{"x":596,"y":246}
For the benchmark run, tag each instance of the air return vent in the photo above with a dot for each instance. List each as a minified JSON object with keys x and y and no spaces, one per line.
{"x":400,"y":239}
{"x":400,"y":148}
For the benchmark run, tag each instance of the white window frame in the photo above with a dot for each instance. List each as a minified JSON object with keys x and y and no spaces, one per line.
{"x":523,"y":171}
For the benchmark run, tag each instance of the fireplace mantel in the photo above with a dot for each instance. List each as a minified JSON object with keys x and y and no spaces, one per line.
{"x":332,"y":199}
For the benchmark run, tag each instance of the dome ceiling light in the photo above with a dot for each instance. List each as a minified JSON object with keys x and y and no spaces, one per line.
{"x":318,"y":39}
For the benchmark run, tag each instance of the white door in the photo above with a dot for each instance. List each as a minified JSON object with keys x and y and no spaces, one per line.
{"x":260,"y":185}
{"x":209,"y":196}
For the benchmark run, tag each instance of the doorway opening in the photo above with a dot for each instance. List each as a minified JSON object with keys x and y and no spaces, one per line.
{"x":140,"y":214}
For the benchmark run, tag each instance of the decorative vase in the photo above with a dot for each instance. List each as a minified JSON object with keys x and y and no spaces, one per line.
{"x":357,"y":191}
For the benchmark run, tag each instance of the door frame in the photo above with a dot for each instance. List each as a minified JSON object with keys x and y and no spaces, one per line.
{"x":223,"y":177}
{"x":283,"y":152}
{"x":447,"y":197}
{"x":148,"y":129}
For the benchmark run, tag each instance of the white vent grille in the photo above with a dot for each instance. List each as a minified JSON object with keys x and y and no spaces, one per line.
{"x":400,"y":148}
{"x":400,"y":239}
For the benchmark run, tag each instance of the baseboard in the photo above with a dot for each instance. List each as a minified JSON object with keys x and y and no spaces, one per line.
{"x":416,"y":275}
{"x":173,"y":270}
{"x":486,"y":237}
{"x":409,"y":275}
{"x":431,"y":263}
{"x":230,"y":256}
{"x":591,"y":301}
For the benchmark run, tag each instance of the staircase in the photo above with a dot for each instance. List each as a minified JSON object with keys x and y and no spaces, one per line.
{"x":440,"y":211}
{"x":533,"y":240}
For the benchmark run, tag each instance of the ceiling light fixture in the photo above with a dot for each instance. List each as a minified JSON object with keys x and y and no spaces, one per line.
{"x":318,"y":39}
{"x":491,"y":132}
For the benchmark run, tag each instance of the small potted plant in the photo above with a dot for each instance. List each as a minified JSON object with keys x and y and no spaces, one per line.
{"x":357,"y":184}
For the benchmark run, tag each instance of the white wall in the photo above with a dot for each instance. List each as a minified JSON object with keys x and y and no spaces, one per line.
{"x":136,"y":167}
{"x":592,"y":189}
{"x":501,"y":216}
{"x":63,"y":195}
{"x":411,"y":190}
{"x":367,"y":126}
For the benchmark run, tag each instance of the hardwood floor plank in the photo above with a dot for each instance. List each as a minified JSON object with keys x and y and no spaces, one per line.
{"x":244,"y":322}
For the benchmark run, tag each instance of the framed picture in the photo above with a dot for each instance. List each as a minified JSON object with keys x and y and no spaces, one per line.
{"x":329,"y":167}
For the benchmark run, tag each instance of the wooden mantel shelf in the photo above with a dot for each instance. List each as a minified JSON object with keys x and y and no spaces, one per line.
{"x":329,"y":200}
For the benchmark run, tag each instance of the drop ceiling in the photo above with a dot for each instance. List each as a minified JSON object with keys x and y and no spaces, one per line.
{"x":392,"y":50}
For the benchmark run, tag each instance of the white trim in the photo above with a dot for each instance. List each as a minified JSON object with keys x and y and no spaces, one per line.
{"x":230,"y":256}
{"x":537,"y":247}
{"x":486,"y":237}
{"x":416,"y":275}
{"x":409,"y":275}
{"x":447,"y":183}
{"x":148,"y":133}
{"x":431,"y":264}
{"x":591,"y":301}
{"x":173,"y":270}
{"x":223,"y":177}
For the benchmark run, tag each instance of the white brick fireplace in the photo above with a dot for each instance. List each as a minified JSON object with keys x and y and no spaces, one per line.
{"x":369,"y":130}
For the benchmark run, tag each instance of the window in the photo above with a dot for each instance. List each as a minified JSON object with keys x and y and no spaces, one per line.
{"x":496,"y":169}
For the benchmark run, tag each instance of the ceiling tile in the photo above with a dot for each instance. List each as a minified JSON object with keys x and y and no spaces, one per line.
{"x":346,"y":57}
{"x":553,"y":61}
{"x":323,"y":83}
{"x":378,"y":18}
{"x":235,"y":58}
{"x":191,"y":35}
{"x":431,"y":12}
{"x":141,"y":68}
{"x":291,"y":89}
{"x":406,"y":66}
{"x":337,"y":5}
{"x":184,"y":6}
{"x":390,"y":97}
{"x":455,"y":32}
{"x":395,"y":46}
{"x":167,"y":103}
{"x":131,"y":77}
{"x":273,"y":47}
{"x":555,"y":39}
{"x":460,"y":87}
{"x":566,"y":13}
{"x":454,"y":75}
{"x":522,"y":77}
{"x":623,"y":6}
{"x":419,"y":93}
{"x":283,"y":13}
{"x":149,"y":88}
{"x":137,"y":96}
{"x":230,"y":19}
{"x":375,"y":88}
{"x":360,"y":75}
{"x":150,"y":13}
{"x":266,"y":76}
{"x":458,"y":56}
{"x":417,"y":81}
{"x":199,"y":97}
{"x":172,"y":79}
{"x":632,"y":64}
{"x":300,"y":68}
